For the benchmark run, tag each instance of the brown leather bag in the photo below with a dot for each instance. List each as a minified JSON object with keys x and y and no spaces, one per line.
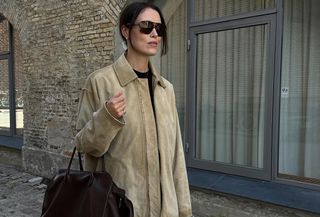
{"x":78,"y":193}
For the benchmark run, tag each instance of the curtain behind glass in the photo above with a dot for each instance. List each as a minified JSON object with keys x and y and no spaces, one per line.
{"x":231,"y":68}
{"x":173,"y":65}
{"x":210,"y":9}
{"x":299,"y":145}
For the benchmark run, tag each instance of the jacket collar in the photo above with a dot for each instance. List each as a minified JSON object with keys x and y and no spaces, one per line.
{"x":126,"y":74}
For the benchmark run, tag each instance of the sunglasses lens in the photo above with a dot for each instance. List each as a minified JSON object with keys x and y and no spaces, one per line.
{"x":146,"y":27}
{"x":160,"y":29}
{"x":146,"y":30}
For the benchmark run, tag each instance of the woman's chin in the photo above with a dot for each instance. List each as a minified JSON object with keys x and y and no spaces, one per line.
{"x":152,"y":52}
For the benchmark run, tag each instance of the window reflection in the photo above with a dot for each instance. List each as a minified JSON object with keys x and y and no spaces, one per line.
{"x":4,"y":97}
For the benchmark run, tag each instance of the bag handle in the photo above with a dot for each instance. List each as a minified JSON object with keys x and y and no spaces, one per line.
{"x":80,"y":161}
{"x":70,"y":162}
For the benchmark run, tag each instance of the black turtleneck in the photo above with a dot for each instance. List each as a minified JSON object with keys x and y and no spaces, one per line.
{"x":147,"y":75}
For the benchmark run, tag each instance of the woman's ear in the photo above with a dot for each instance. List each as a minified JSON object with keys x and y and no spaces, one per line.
{"x":125,"y":32}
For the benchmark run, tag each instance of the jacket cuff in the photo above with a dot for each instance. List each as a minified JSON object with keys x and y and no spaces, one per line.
{"x":113,"y":120}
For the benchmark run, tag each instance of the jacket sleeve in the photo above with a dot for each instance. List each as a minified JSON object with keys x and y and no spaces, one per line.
{"x":180,"y":174}
{"x":96,"y":126}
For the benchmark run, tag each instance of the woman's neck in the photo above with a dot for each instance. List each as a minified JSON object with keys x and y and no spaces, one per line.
{"x":137,"y":62}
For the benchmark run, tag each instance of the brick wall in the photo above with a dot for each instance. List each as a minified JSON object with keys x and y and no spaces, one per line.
{"x":4,"y":67}
{"x":61,"y":42}
{"x":4,"y":47}
{"x":4,"y":42}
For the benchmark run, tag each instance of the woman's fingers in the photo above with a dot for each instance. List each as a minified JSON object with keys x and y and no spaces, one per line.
{"x":116,"y":105}
{"x":119,"y":97}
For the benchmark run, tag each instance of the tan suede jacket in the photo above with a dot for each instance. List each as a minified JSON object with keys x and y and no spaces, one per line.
{"x":143,"y":150}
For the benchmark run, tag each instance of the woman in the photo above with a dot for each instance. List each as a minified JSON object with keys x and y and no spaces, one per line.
{"x":127,"y":115}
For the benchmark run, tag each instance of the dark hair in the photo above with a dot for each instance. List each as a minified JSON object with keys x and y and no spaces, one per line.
{"x":129,"y":15}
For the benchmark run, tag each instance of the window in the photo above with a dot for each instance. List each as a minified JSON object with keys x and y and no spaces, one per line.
{"x":237,"y":118}
{"x":299,"y":138}
{"x":231,"y":101}
{"x":231,"y":70}
{"x":11,"y":84}
{"x":226,"y":100}
{"x":249,"y":109}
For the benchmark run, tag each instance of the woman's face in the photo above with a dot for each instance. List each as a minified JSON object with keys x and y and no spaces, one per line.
{"x":145,"y":44}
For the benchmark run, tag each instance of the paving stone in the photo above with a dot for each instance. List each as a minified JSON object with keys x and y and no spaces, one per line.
{"x":21,"y":194}
{"x":36,"y":180}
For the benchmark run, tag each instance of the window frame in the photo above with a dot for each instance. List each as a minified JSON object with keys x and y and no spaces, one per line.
{"x":9,"y":56}
{"x":222,"y":24}
{"x":276,"y":108}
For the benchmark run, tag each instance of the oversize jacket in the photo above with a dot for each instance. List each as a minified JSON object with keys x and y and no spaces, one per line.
{"x":143,"y":149}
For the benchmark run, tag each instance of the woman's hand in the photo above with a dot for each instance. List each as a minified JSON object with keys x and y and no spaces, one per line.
{"x":116,"y":106}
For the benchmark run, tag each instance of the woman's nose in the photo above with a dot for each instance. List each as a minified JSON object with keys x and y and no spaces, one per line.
{"x":154,"y":33}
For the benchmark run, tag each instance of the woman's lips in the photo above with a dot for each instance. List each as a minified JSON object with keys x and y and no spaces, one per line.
{"x":153,"y":44}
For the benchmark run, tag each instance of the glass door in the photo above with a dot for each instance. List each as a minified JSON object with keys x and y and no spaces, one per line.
{"x":232,"y":73}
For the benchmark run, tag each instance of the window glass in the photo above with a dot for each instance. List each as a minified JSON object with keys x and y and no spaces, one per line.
{"x":299,"y":146}
{"x":11,"y":113}
{"x":231,"y":71}
{"x":210,"y":9}
{"x":4,"y":35}
{"x":4,"y":97}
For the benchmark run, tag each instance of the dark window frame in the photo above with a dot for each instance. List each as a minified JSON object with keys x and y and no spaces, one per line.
{"x":10,"y":138}
{"x":268,"y":19}
{"x":226,"y":23}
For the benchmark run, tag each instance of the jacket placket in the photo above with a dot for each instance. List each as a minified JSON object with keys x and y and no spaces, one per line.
{"x":152,"y":153}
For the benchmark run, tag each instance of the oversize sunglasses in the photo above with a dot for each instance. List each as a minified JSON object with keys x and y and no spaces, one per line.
{"x":146,"y":27}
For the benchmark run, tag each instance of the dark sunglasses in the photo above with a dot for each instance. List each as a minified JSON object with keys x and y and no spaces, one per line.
{"x":146,"y":27}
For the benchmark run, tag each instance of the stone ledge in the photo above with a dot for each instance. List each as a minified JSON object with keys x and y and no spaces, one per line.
{"x":44,"y":163}
{"x":10,"y":156}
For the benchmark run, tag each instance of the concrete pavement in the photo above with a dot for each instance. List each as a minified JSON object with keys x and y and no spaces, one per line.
{"x":21,"y":194}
